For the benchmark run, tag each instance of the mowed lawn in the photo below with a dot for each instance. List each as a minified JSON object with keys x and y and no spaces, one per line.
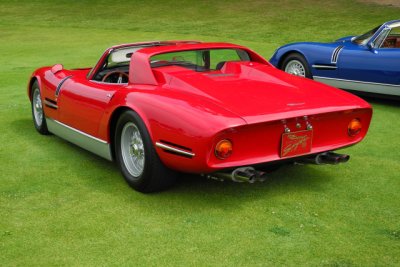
{"x":60,"y":205}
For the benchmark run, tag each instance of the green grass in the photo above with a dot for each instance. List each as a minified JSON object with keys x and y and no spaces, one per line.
{"x":60,"y":205}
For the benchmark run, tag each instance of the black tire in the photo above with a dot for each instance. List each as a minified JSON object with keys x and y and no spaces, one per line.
{"x":154,"y":176}
{"x":38,"y":116}
{"x":298,"y":59}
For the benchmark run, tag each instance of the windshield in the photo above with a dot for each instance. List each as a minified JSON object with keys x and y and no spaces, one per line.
{"x":199,"y":60}
{"x":364,"y":38}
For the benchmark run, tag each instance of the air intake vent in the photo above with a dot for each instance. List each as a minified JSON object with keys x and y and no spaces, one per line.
{"x":335,"y":54}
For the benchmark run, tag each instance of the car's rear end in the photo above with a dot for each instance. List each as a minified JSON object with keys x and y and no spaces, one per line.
{"x":286,"y":118}
{"x":289,"y":138}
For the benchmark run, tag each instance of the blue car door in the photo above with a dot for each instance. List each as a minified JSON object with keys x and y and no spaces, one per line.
{"x":370,"y":65}
{"x":374,"y":67}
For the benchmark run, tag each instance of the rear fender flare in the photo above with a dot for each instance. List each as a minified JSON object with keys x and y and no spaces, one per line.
{"x":117,"y":106}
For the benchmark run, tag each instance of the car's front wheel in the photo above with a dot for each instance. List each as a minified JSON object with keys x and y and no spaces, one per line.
{"x":297,"y":65}
{"x":136,"y":156}
{"x":37,"y":110}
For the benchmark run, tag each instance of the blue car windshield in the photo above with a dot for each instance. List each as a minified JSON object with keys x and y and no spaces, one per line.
{"x":364,"y":38}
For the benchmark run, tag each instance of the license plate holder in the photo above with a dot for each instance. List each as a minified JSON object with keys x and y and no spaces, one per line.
{"x":296,"y":143}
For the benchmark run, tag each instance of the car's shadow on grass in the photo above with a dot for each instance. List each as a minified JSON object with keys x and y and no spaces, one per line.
{"x":285,"y":179}
{"x":101,"y":175}
{"x":203,"y":194}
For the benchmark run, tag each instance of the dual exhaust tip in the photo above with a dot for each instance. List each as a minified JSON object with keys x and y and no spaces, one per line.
{"x":326,"y":158}
{"x":251,"y":175}
{"x":240,"y":175}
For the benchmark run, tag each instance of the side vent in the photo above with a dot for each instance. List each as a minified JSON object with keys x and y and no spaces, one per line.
{"x":50,"y":103}
{"x":175,"y":149}
{"x":335,"y":54}
{"x":60,"y":84}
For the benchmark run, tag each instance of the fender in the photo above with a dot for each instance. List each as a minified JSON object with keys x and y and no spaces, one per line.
{"x":318,"y":59}
{"x":282,"y":58}
{"x":120,"y":100}
{"x":279,"y":55}
{"x":34,"y":76}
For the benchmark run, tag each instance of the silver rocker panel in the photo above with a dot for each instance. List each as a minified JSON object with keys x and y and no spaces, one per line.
{"x":79,"y":138}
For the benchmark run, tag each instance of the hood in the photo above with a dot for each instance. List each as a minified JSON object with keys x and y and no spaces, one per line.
{"x":257,"y":92}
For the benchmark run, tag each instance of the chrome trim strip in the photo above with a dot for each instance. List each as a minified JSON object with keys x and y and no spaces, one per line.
{"x":79,"y":138}
{"x":394,"y":25}
{"x":49,"y":104}
{"x":173,"y":149}
{"x":385,"y":30}
{"x":335,"y":54}
{"x":316,"y":66}
{"x":371,"y":87}
{"x":80,"y":132}
{"x":384,"y":38}
{"x":100,"y":82}
{"x":357,"y":81}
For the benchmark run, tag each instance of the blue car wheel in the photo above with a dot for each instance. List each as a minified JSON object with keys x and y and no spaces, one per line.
{"x":297,"y":65}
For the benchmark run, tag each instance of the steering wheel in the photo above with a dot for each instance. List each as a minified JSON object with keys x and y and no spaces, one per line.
{"x":120,"y":77}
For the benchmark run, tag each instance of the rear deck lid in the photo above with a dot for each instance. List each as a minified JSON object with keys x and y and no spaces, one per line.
{"x":258,"y":92}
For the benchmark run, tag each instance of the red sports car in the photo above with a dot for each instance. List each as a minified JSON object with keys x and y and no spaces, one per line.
{"x":217,"y":109}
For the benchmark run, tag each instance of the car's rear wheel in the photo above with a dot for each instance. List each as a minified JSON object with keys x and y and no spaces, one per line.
{"x":297,"y":65}
{"x":37,"y":110}
{"x":136,"y":156}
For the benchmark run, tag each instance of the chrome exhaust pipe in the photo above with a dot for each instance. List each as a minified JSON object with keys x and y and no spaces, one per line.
{"x":326,"y":158}
{"x":240,"y":175}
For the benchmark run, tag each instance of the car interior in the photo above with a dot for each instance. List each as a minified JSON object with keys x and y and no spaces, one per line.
{"x":393,"y":39}
{"x":116,"y":66}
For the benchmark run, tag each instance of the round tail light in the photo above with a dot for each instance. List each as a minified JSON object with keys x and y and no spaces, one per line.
{"x":223,"y":149}
{"x":354,"y":127}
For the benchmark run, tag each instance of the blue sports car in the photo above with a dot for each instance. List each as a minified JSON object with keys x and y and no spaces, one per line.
{"x":369,"y":62}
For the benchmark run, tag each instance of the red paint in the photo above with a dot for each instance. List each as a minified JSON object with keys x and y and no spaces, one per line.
{"x":249,"y":103}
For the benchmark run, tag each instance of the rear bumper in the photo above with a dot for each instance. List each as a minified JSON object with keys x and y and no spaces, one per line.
{"x":260,"y":143}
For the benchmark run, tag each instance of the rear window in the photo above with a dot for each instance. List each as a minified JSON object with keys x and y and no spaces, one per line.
{"x":199,"y":60}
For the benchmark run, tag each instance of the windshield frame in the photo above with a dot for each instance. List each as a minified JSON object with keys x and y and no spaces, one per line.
{"x":364,"y":39}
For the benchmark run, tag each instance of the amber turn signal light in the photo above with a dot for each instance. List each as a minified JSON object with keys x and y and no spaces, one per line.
{"x":223,"y":149}
{"x":354,"y":127}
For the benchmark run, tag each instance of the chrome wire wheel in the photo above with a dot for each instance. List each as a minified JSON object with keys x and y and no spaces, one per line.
{"x":136,"y":156}
{"x":132,"y":149}
{"x":296,"y":68}
{"x":37,"y":107}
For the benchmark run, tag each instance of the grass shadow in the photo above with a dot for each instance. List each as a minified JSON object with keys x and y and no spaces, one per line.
{"x":288,"y":180}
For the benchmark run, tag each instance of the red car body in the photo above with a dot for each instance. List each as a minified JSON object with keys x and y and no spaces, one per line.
{"x":186,"y":112}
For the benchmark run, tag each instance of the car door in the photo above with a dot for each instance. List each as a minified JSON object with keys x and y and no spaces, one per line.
{"x":82,"y":103}
{"x":360,"y":63}
{"x":374,"y":67}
